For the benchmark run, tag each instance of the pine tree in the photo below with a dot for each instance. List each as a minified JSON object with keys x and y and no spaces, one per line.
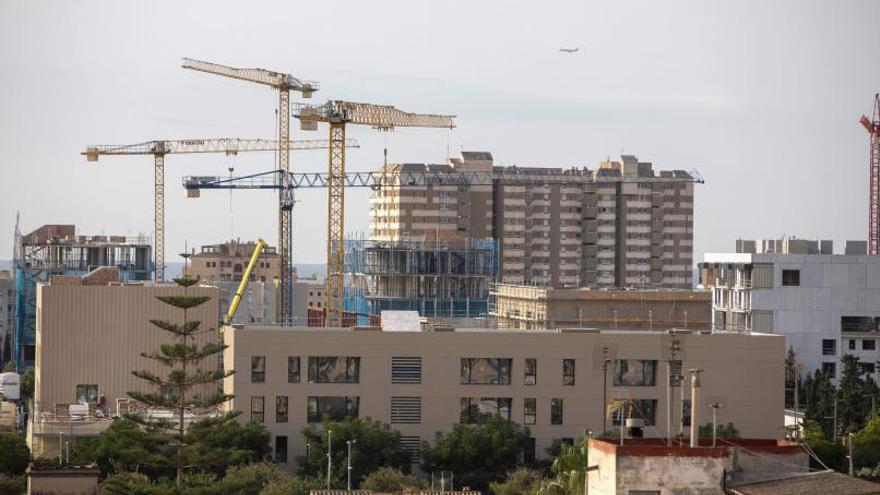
{"x":174,"y":391}
{"x":852,"y":407}
{"x":792,"y":379}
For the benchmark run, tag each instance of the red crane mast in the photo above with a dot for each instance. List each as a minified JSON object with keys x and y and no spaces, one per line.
{"x":872,"y":125}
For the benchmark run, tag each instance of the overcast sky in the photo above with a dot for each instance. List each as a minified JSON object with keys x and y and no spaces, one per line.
{"x":762,"y":97}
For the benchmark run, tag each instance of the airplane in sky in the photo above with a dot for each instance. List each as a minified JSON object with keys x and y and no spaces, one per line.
{"x":569,"y":50}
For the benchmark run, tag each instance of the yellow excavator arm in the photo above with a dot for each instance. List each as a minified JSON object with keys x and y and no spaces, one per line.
{"x":245,"y":278}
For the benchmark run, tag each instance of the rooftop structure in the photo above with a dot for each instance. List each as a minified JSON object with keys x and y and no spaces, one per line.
{"x":620,"y":225}
{"x":524,"y":306}
{"x":826,"y":305}
{"x":548,"y":380}
{"x":58,"y":250}
{"x":226,"y":262}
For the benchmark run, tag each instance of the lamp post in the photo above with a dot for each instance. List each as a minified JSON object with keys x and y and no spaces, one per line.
{"x":715,"y":407}
{"x":605,"y":363}
{"x":329,"y":456}
{"x":350,"y":443}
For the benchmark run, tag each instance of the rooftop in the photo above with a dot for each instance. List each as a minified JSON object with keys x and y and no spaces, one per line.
{"x":820,"y":483}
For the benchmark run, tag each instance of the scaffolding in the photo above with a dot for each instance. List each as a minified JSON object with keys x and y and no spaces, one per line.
{"x":438,"y":278}
{"x":57,"y":250}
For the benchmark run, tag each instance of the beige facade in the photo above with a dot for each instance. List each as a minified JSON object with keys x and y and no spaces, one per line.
{"x":523,"y":306}
{"x":227,"y":262}
{"x":89,"y":340}
{"x":550,"y":381}
{"x":620,"y":225}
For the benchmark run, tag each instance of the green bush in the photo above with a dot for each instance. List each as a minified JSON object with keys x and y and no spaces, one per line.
{"x":14,"y":454}
{"x":12,"y":485}
{"x":388,"y":480}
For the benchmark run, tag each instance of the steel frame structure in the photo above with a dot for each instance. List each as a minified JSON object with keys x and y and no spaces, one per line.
{"x":872,"y":125}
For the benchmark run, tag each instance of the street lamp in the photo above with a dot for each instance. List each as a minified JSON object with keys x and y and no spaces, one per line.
{"x":350,"y":443}
{"x":715,"y":407}
{"x":329,"y":456}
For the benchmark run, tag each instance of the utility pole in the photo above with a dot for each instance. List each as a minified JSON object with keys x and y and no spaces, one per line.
{"x":695,"y":384}
{"x":349,"y":442}
{"x":605,"y":390}
{"x":797,"y":404}
{"x":715,"y":407}
{"x":329,"y":456}
{"x":850,"y":456}
{"x":673,"y":353}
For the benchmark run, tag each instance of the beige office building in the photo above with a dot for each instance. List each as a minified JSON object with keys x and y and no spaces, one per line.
{"x":89,"y":339}
{"x":619,"y":225}
{"x":531,"y":307}
{"x":550,"y":381}
{"x":227,"y":262}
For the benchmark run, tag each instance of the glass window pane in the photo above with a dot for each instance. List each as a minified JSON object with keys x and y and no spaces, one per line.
{"x":531,"y":372}
{"x":293,"y":369}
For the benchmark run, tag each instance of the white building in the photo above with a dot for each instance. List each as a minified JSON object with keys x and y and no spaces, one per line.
{"x":827,"y":305}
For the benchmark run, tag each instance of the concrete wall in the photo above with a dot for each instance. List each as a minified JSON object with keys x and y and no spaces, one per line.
{"x":95,"y":334}
{"x":743,"y":372}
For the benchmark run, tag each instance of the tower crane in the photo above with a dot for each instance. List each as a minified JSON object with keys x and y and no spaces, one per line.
{"x":284,"y":83}
{"x":872,"y":125}
{"x":229,"y":146}
{"x":387,"y":178}
{"x":337,"y":114}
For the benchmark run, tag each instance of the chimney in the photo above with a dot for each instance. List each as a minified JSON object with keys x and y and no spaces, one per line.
{"x":695,"y":384}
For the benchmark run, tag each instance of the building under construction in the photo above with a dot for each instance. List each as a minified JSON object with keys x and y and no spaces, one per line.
{"x":444,"y":277}
{"x":530,"y":307}
{"x":57,"y":250}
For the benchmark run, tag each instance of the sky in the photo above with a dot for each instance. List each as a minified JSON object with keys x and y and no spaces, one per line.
{"x":762,"y":98}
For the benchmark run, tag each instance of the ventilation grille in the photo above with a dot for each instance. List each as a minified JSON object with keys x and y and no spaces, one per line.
{"x":412,"y":445}
{"x":406,"y":370}
{"x":406,"y":410}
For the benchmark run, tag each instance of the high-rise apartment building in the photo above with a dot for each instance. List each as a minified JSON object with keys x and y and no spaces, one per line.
{"x":620,"y":225}
{"x":227,"y":262}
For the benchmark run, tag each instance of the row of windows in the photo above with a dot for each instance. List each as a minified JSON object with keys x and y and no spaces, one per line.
{"x":829,"y":346}
{"x":474,"y":371}
{"x":408,"y":410}
{"x":831,"y":368}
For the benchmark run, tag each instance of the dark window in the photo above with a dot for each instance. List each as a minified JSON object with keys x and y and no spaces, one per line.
{"x":406,"y":370}
{"x":529,"y":450}
{"x":868,"y":367}
{"x":635,"y":408}
{"x":791,"y":278}
{"x":531,"y":372}
{"x":530,"y":411}
{"x":334,"y":408}
{"x":634,"y":373}
{"x":852,"y":344}
{"x":412,"y":445}
{"x":292,"y":369}
{"x":859,"y":324}
{"x":555,"y":411}
{"x":686,"y":412}
{"x":86,"y":394}
{"x":281,"y":409}
{"x":829,"y":369}
{"x":334,"y":369}
{"x":829,"y":347}
{"x":281,"y":448}
{"x":869,"y":345}
{"x":568,"y":371}
{"x":485,"y":371}
{"x":258,"y":408}
{"x":258,"y":369}
{"x":473,"y":408}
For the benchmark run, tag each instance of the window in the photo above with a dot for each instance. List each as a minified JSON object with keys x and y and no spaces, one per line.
{"x":412,"y":445}
{"x":258,"y":408}
{"x":406,"y":370}
{"x":281,"y":409}
{"x":637,"y":408}
{"x":686,"y":412}
{"x":859,"y":324}
{"x":281,"y":448}
{"x":529,"y":450}
{"x":852,"y":344}
{"x":258,"y":369}
{"x":829,"y":347}
{"x":530,"y":411}
{"x":829,"y":369}
{"x":791,"y":278}
{"x":868,"y":367}
{"x":634,"y":373}
{"x":334,"y":369}
{"x":531,"y":372}
{"x":869,"y":345}
{"x":485,"y":371}
{"x":86,"y":394}
{"x":334,"y":408}
{"x":406,"y":410}
{"x":292,"y":369}
{"x":568,"y":371}
{"x":555,"y":411}
{"x":473,"y":408}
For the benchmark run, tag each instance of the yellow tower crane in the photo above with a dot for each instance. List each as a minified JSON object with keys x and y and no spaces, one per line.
{"x":229,"y":146}
{"x":284,"y":83}
{"x":337,"y":114}
{"x":245,"y":278}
